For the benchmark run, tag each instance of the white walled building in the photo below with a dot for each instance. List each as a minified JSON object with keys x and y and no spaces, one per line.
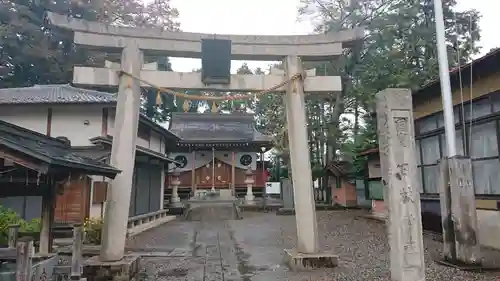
{"x":86,"y":119}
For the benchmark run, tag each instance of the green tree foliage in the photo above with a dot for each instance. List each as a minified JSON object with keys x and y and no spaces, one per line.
{"x":35,"y":53}
{"x":399,"y":50}
{"x":364,"y":140}
{"x":238,"y":105}
{"x":150,"y":107}
{"x":9,"y":217}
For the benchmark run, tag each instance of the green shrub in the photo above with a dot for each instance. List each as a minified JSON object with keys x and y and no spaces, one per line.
{"x":35,"y":225}
{"x":8,"y":217}
{"x":93,"y":230}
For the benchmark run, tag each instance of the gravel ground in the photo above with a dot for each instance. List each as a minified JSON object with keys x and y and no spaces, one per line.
{"x":252,"y":250}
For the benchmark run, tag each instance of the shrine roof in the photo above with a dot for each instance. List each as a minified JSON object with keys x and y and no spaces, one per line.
{"x":108,"y":140}
{"x":339,"y":168}
{"x":370,"y":151}
{"x":52,"y":151}
{"x":51,"y":94}
{"x":216,"y":127}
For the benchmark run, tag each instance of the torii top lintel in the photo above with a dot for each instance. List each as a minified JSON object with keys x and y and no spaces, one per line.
{"x":155,"y":41}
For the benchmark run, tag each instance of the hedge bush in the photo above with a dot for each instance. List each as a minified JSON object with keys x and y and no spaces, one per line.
{"x":8,"y":217}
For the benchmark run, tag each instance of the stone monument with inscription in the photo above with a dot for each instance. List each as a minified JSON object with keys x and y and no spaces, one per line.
{"x":401,"y":185}
{"x":287,"y":196}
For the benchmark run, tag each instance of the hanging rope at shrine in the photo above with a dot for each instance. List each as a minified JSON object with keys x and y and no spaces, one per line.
{"x":187,"y":97}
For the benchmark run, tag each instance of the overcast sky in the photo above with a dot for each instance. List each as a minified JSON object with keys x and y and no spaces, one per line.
{"x":279,"y":17}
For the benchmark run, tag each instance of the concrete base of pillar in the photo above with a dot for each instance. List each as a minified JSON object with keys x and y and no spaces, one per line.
{"x":176,"y":211}
{"x":379,"y":216}
{"x":299,"y":262}
{"x":258,"y":208}
{"x":176,"y":204}
{"x":285,"y":212}
{"x":480,"y":267}
{"x":249,"y":199}
{"x":373,"y":217}
{"x":123,"y":270}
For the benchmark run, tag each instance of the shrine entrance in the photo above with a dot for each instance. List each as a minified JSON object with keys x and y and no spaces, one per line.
{"x":216,"y":175}
{"x":214,"y":149}
{"x":216,"y":53}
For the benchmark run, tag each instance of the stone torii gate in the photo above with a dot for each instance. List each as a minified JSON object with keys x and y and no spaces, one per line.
{"x":136,"y":43}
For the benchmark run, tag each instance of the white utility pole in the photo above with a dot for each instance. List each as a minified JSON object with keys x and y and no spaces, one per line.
{"x":444,"y":76}
{"x":456,"y":188}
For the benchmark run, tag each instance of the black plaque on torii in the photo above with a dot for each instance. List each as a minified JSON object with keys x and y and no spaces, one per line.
{"x":215,"y":61}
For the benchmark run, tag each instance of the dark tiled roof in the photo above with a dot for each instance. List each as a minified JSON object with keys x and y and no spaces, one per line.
{"x":50,"y":150}
{"x":340,"y":168}
{"x":53,"y":94}
{"x":109,"y":140}
{"x":94,"y":152}
{"x":480,"y":68}
{"x":215,"y":127}
{"x":369,"y":151}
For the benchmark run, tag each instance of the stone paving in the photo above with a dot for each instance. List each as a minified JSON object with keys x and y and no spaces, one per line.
{"x":252,"y":250}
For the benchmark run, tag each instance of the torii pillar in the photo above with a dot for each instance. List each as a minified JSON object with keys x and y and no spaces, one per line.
{"x":307,"y":230}
{"x":122,"y":156}
{"x":307,"y":254}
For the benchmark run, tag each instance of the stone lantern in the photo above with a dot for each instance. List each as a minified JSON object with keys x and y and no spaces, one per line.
{"x":175,"y":182}
{"x":249,"y":198}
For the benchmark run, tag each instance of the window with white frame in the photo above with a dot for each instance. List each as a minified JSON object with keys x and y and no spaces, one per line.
{"x":480,"y":108}
{"x":429,"y":150}
{"x":480,"y":139}
{"x":485,"y":160}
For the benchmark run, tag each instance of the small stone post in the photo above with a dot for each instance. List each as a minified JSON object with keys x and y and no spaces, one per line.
{"x":13,"y":235}
{"x":76,"y":256}
{"x":24,"y":254}
{"x":175,"y":200}
{"x":458,"y":212}
{"x":122,"y":156}
{"x":401,"y":185}
{"x":249,"y":198}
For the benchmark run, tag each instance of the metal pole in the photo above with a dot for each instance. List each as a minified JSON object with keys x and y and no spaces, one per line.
{"x":193,"y":175}
{"x":264,"y":191}
{"x":277,"y":167}
{"x":263,"y":167}
{"x":233,"y":175}
{"x":444,"y":76}
{"x":213,"y":168}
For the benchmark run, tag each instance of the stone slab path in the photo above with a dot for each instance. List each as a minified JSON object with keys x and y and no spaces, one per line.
{"x":251,"y":249}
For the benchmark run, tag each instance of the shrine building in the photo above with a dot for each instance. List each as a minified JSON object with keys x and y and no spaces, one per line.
{"x":214,"y":151}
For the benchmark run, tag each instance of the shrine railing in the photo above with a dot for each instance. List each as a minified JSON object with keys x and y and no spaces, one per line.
{"x":140,"y":223}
